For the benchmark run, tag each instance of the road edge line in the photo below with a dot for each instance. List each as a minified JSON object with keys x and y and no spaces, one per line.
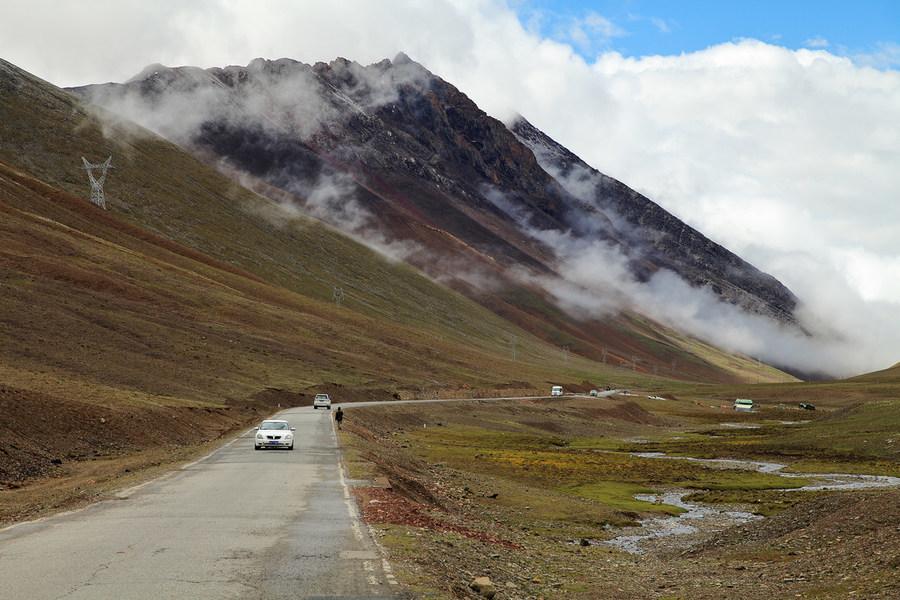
{"x":356,"y":514}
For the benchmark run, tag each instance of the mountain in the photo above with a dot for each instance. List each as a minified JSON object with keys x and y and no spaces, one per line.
{"x":408,"y":164}
{"x":669,"y":242}
{"x":191,"y":286}
{"x":131,"y":336}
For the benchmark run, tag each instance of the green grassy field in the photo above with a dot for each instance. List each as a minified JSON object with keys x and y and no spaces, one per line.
{"x":548,"y":473}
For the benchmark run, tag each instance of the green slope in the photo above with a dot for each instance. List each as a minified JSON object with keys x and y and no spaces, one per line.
{"x":395,"y":328}
{"x":435,"y":337}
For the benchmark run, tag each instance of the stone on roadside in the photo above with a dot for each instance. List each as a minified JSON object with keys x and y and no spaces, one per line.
{"x":484,"y":587}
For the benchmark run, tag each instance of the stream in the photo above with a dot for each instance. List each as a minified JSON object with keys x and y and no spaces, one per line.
{"x":710,"y":518}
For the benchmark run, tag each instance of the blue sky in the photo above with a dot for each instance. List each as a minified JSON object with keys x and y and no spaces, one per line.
{"x":641,"y":27}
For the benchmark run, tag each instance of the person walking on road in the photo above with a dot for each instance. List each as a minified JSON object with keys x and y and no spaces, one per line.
{"x":339,"y":416}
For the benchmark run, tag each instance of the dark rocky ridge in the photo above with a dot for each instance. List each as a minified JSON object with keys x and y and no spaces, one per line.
{"x":423,"y":161}
{"x":667,"y":241}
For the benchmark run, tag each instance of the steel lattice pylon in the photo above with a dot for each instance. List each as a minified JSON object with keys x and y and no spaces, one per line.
{"x":97,"y":196}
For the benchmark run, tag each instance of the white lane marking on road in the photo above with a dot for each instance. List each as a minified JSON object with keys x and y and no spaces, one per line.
{"x":356,"y":525}
{"x":388,"y":572}
{"x":348,"y":499}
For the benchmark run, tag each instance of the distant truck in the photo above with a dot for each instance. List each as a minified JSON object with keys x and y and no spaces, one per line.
{"x":743,"y":405}
{"x":556,"y":390}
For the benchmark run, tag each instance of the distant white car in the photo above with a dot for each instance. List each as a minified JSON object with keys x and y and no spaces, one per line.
{"x":743,"y":405}
{"x":556,"y":390}
{"x":274,"y":433}
{"x":322,"y":401}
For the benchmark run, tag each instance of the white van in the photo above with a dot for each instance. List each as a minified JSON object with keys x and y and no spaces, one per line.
{"x":743,"y":405}
{"x":556,"y":390}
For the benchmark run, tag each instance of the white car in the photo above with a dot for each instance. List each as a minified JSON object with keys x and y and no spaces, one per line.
{"x":322,"y":401}
{"x":556,"y":390}
{"x":274,"y":433}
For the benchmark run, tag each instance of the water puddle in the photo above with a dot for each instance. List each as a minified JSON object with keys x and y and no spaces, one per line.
{"x":705,"y":518}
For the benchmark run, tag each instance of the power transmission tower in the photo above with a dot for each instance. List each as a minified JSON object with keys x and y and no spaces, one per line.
{"x":338,"y":295}
{"x":565,"y":350}
{"x":603,"y":354}
{"x":514,"y":340}
{"x":97,"y":196}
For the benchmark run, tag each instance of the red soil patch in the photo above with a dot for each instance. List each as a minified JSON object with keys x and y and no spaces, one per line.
{"x":386,"y":506}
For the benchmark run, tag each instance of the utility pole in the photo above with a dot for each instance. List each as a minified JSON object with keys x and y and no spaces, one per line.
{"x":338,"y":295}
{"x":513,"y":341}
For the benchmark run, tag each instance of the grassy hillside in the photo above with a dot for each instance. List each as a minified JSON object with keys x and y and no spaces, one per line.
{"x":889,"y":375}
{"x":158,"y":187}
{"x":238,"y":239}
{"x":193,"y":305}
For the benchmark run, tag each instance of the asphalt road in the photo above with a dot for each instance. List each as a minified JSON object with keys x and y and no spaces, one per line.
{"x":236,"y":524}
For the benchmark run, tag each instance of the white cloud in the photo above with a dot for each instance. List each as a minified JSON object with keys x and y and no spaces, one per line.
{"x":788,"y":157}
{"x":661,"y":24}
{"x":816,"y":42}
{"x":885,"y":55}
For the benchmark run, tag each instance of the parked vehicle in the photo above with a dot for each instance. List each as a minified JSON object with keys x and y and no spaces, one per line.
{"x":743,"y":405}
{"x":807,"y":406}
{"x":556,"y":390}
{"x":594,"y":393}
{"x":322,"y":401}
{"x":274,"y":433}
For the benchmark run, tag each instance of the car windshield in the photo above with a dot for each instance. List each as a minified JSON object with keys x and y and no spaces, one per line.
{"x":273,"y":425}
{"x":321,"y":396}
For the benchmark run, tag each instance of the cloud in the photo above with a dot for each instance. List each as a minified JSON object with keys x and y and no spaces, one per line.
{"x":596,"y":280}
{"x":787,"y":157}
{"x":279,"y":97}
{"x":816,"y":42}
{"x":661,"y":25}
{"x":885,"y":55}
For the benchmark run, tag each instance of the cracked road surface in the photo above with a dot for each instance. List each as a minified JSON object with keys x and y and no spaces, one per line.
{"x":236,"y":524}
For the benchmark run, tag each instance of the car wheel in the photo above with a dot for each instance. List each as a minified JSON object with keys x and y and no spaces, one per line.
{"x":292,"y":447}
{"x":255,"y":447}
{"x":315,"y":407}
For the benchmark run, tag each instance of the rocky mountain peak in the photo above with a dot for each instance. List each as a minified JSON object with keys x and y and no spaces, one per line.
{"x":393,"y":153}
